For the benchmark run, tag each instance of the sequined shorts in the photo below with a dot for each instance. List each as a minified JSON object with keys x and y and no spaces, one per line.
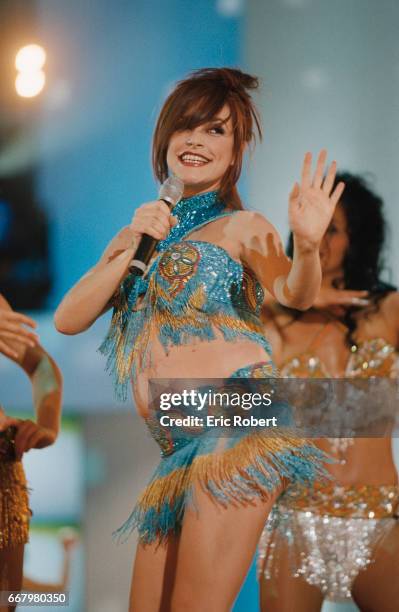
{"x":14,"y":505}
{"x":329,"y":533}
{"x":234,"y":469}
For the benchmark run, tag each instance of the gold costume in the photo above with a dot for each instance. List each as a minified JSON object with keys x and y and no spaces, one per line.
{"x":331,"y":530}
{"x":14,"y":505}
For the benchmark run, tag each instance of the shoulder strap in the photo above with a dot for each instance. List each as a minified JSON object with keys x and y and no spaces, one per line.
{"x":197,"y":227}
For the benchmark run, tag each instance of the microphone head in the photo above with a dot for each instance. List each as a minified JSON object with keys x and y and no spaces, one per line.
{"x":171,"y":190}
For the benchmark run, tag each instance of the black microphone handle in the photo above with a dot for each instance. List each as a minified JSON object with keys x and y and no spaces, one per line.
{"x":145,"y":250}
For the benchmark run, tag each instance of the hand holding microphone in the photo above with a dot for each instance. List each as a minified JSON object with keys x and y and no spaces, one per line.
{"x":153,"y":221}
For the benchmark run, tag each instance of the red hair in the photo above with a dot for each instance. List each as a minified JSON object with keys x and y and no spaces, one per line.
{"x":197,"y":100}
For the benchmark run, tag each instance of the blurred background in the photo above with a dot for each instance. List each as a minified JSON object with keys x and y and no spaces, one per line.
{"x":77,"y":111}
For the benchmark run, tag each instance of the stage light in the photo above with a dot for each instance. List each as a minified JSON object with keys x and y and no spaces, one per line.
{"x":29,"y":62}
{"x":29,"y":85}
{"x":30,"y":58}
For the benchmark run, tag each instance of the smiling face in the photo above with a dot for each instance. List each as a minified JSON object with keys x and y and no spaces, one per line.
{"x":201,"y":156}
{"x":335,"y":243}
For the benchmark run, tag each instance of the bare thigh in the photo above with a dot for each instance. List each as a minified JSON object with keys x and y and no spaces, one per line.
{"x":11,"y":569}
{"x":284,"y":593}
{"x":216,"y":548}
{"x":153,"y":576}
{"x":376,"y":589}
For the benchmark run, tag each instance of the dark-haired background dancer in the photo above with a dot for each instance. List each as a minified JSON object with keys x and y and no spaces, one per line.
{"x":342,"y":539}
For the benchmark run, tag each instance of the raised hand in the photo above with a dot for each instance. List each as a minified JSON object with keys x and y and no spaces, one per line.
{"x":313,"y":201}
{"x":330,"y":296}
{"x":29,"y":434}
{"x":13,"y":330}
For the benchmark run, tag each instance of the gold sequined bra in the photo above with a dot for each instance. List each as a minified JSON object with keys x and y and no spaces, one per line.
{"x":374,"y":357}
{"x":344,"y":501}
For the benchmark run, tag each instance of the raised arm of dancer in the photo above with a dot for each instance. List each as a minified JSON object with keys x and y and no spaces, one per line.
{"x":92,"y":294}
{"x":311,"y":205}
{"x":46,"y":382}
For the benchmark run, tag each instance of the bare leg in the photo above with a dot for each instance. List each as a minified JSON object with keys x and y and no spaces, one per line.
{"x":216,"y":549}
{"x":153,"y":576}
{"x":376,"y":589}
{"x":11,"y":569}
{"x":284,"y":593}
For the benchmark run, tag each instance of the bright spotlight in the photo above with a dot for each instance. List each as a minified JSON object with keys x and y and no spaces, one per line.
{"x":29,"y":62}
{"x":30,"y":84}
{"x":30,"y":57}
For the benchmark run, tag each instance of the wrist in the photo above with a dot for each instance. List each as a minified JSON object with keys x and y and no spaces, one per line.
{"x":51,"y":430}
{"x":305,"y":246}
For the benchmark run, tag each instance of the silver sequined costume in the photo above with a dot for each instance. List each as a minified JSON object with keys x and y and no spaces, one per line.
{"x":330,"y":531}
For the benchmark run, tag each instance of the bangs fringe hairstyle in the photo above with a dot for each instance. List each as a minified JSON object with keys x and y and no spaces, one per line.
{"x":197,"y":100}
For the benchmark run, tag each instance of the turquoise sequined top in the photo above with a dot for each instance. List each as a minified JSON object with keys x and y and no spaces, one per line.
{"x":192,"y":289}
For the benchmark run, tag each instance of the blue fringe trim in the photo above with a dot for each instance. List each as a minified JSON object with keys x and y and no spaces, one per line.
{"x":300,"y":464}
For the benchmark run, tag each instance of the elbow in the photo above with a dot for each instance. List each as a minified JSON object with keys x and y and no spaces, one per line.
{"x":295,"y":299}
{"x":60,"y":323}
{"x":65,"y":324}
{"x":300,"y":304}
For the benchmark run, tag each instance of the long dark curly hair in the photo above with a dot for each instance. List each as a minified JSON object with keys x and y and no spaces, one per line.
{"x":364,"y":260}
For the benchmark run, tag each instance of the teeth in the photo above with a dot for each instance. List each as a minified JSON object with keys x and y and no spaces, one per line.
{"x":195,"y":159}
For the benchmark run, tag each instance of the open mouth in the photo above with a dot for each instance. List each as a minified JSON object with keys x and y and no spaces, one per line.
{"x":193,"y":159}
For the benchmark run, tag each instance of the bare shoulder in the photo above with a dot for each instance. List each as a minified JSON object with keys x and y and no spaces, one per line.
{"x":251,"y":220}
{"x":390,"y":305}
{"x":245,"y":225}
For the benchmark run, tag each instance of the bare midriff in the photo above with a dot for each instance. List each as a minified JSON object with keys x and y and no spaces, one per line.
{"x":216,"y":358}
{"x":368,"y":460}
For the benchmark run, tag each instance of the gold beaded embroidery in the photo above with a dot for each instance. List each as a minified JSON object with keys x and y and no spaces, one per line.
{"x":344,"y":501}
{"x":179,"y":265}
{"x":14,"y":505}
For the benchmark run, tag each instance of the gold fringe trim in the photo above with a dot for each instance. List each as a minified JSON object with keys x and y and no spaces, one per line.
{"x":160,"y":318}
{"x":221,"y":468}
{"x":14,"y":505}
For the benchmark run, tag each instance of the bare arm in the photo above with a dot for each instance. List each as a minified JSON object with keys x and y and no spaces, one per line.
{"x":46,"y":383}
{"x":92,"y":294}
{"x":294,"y":284}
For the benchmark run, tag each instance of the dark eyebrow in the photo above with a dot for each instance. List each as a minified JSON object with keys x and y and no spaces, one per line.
{"x":219,"y":120}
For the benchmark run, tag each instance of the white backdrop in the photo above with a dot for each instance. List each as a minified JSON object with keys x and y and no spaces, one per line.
{"x":330,"y":78}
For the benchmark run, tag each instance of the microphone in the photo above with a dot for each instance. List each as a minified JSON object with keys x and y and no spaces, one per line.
{"x":170,"y":192}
